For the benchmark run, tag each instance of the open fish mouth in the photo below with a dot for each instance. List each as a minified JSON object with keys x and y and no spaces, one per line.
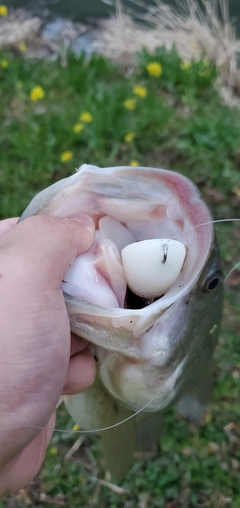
{"x":148,"y":204}
{"x":151,"y":204}
{"x":137,"y":325}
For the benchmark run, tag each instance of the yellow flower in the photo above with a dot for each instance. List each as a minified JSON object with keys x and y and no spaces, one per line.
{"x":141,"y":91}
{"x":3,"y":10}
{"x":86,"y":117}
{"x":76,"y":427}
{"x":185,"y":64}
{"x":66,"y":156}
{"x":37,"y":93}
{"x":53,"y":450}
{"x":22,"y":46}
{"x":129,"y":137}
{"x":130,"y":104}
{"x":134,"y":163}
{"x":4,"y":63}
{"x":78,"y":127}
{"x":154,"y":69}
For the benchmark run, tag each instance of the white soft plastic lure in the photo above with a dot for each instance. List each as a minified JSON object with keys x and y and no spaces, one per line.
{"x":152,"y":349}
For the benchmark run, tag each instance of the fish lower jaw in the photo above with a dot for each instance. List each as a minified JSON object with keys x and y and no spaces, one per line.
{"x":130,"y":388}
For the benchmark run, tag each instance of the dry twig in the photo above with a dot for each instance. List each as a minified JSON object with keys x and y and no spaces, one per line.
{"x":194,"y":30}
{"x":18,"y":27}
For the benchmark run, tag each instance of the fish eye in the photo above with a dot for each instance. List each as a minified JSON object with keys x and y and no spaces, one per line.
{"x":212,"y":282}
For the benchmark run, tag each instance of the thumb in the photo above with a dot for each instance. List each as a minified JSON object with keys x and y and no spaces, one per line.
{"x":7,"y":224}
{"x":41,"y":248}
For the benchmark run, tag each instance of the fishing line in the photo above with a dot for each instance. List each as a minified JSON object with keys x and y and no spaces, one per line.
{"x":94,"y":431}
{"x":206,"y":224}
{"x":231,"y":271}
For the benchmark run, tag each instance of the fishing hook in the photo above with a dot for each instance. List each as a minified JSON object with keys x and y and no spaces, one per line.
{"x":165,"y":253}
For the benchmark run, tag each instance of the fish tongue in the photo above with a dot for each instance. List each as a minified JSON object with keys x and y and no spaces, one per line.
{"x":97,"y":276}
{"x":115,"y":231}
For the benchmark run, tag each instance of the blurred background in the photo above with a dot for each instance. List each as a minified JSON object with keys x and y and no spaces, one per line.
{"x":86,"y":10}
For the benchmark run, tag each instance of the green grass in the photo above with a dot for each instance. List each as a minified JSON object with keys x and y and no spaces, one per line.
{"x":183,"y":125}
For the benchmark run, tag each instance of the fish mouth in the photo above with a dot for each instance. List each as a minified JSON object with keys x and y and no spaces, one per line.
{"x":150,"y":204}
{"x":131,"y":330}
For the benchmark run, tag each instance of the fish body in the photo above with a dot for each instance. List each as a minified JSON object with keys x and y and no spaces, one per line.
{"x":150,"y":353}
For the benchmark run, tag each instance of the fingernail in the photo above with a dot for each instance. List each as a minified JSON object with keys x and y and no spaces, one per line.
{"x":84,"y":219}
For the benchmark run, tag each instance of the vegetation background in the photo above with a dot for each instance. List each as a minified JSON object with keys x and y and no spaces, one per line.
{"x":165,"y":111}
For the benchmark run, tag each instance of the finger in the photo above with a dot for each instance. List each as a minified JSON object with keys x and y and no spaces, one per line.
{"x":49,"y":244}
{"x":7,"y":224}
{"x":81,"y":373}
{"x":77,"y":344}
{"x":26,"y":465}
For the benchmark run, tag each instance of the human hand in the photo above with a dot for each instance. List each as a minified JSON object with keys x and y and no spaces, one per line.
{"x":39,"y":360}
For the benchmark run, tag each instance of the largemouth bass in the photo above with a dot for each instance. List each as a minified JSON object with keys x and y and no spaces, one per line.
{"x":152,"y":350}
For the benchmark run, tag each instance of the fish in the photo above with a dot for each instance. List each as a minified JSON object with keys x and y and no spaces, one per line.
{"x":152,"y":351}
